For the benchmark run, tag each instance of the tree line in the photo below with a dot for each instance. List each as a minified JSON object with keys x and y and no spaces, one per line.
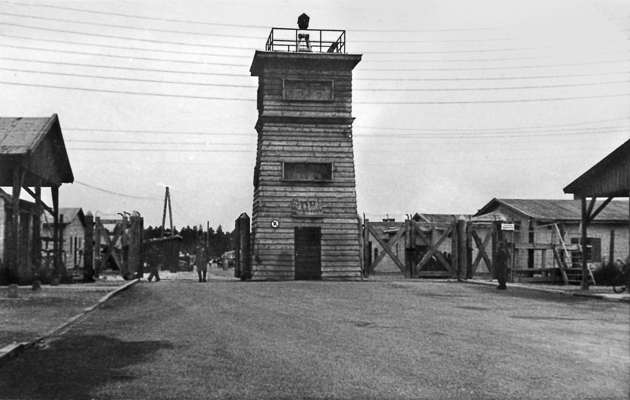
{"x":216,"y":241}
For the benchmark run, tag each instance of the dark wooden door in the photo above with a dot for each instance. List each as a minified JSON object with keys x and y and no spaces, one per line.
{"x":308,"y":253}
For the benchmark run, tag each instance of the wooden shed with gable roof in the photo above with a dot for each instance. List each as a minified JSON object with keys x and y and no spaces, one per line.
{"x":607,"y":179}
{"x":32,"y":156}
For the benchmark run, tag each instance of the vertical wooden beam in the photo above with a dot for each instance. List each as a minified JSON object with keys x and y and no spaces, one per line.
{"x":13,"y":246}
{"x":583,"y":244}
{"x":135,"y":246}
{"x":164,"y":212}
{"x":361,"y":245}
{"x":97,"y":246}
{"x":54,"y":191}
{"x":88,"y":248}
{"x":611,"y":247}
{"x":366,"y":247}
{"x":462,"y":251}
{"x":36,"y":256}
{"x":170,"y":211}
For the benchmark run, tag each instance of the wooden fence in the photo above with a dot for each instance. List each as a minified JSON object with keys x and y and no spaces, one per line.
{"x":458,"y":249}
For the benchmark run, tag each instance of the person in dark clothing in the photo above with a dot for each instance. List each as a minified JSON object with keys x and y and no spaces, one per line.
{"x":501,"y":265}
{"x":201,"y":262}
{"x":154,"y":272}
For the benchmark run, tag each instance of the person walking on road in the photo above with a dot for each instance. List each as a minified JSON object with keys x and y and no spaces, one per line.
{"x":501,"y":266}
{"x":201,"y":262}
{"x":154,"y":272}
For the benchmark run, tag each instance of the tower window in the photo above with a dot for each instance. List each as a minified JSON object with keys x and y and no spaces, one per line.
{"x":307,"y":172}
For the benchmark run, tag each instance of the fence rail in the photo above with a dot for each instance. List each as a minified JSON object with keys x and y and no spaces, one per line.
{"x":306,"y":40}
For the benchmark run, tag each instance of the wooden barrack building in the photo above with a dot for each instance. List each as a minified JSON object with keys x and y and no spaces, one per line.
{"x":304,"y":219}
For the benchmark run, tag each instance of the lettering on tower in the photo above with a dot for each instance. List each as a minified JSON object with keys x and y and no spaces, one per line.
{"x":308,"y":90}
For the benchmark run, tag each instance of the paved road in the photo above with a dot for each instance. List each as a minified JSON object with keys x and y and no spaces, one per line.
{"x":435,"y":340}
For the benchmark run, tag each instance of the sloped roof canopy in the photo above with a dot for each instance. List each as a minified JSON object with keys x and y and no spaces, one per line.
{"x":36,"y":145}
{"x":608,"y":178}
{"x":556,"y":210}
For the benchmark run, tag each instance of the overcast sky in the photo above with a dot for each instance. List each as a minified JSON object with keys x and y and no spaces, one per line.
{"x":456,"y":102}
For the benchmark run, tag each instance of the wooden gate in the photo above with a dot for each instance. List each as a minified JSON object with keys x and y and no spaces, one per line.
{"x":459,"y":248}
{"x":120,"y":246}
{"x":483,"y":241}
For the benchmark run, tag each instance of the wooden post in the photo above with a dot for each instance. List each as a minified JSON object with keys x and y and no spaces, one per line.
{"x":36,"y":255}
{"x":135,"y":246}
{"x":54,"y":191}
{"x":611,"y":247}
{"x":454,"y":248}
{"x":361,"y":245}
{"x":88,"y":248}
{"x":244,"y":252}
{"x":237,"y":248}
{"x":97,"y":247}
{"x":462,"y":250}
{"x":13,"y":247}
{"x":410,"y":247}
{"x":583,"y":244}
{"x":367,"y":253}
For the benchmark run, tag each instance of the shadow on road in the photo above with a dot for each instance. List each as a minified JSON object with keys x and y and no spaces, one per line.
{"x":73,"y":366}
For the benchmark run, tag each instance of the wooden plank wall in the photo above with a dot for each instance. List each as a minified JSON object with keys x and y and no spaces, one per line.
{"x":305,"y":131}
{"x":274,"y":248}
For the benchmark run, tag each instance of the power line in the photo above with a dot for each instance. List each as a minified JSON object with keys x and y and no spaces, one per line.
{"x":504,"y":101}
{"x":116,"y":67}
{"x":127,"y":48}
{"x":244,"y":56}
{"x":580,"y":125}
{"x":109,"y":36}
{"x":162,"y":132}
{"x":115,"y":193}
{"x":454,"y":51}
{"x":84,"y":53}
{"x":484,"y":68}
{"x":187,"y":21}
{"x":215,"y":46}
{"x":493,"y":78}
{"x":445,"y":135}
{"x":254,"y":26}
{"x":128,"y":92}
{"x":190,"y":83}
{"x":489,"y":88}
{"x":147,"y":142}
{"x":143,"y":29}
{"x":161,"y":150}
{"x":454,"y":79}
{"x":433,"y":102}
{"x":505,"y":128}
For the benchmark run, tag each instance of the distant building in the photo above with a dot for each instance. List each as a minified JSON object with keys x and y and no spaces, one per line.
{"x":543,"y":221}
{"x":32,"y":157}
{"x":73,"y":228}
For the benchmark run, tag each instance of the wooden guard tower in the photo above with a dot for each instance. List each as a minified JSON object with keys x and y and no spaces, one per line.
{"x":304,"y":219}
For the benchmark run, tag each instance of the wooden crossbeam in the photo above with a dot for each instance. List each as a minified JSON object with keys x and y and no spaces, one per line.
{"x":481,"y":251}
{"x":591,"y":204}
{"x":387,"y":248}
{"x":434,"y":250}
{"x":438,"y":255}
{"x":38,"y":199}
{"x":561,"y":265}
{"x":591,"y":216}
